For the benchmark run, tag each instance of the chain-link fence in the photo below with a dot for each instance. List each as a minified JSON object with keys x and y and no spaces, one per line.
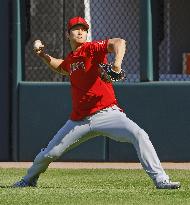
{"x":46,"y":20}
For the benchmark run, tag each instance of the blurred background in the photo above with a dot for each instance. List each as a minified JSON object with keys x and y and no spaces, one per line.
{"x":35,"y":102}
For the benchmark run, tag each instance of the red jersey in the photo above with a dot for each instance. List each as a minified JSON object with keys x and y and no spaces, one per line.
{"x":89,"y":92}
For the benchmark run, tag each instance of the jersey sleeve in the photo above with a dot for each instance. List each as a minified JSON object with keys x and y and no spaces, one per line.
{"x":99,"y":47}
{"x":62,"y":66}
{"x":61,"y":69}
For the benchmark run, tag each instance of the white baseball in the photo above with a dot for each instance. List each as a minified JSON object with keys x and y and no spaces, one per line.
{"x":38,"y":44}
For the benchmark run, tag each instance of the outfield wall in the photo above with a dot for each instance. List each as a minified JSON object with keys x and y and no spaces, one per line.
{"x":162,"y":109}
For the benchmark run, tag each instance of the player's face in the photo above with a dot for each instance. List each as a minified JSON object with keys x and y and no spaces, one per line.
{"x":78,"y":34}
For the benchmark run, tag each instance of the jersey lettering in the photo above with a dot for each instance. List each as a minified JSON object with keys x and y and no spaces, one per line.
{"x":76,"y":66}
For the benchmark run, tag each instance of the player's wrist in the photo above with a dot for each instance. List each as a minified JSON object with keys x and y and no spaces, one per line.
{"x":45,"y":57}
{"x":116,"y":65}
{"x":116,"y":68}
{"x":42,"y":55}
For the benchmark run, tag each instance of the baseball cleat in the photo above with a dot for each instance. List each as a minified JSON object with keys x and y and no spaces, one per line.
{"x":22,"y":183}
{"x":166,"y":184}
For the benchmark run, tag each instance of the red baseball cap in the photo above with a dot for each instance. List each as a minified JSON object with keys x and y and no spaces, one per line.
{"x":77,"y":21}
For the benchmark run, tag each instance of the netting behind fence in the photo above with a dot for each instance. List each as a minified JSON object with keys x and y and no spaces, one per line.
{"x":107,"y":19}
{"x":46,"y":20}
{"x":46,"y":24}
{"x":176,"y":40}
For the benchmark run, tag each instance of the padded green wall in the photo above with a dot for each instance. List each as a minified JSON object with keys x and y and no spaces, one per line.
{"x":162,"y":109}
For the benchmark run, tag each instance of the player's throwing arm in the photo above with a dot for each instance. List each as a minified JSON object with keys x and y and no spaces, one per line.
{"x":53,"y":63}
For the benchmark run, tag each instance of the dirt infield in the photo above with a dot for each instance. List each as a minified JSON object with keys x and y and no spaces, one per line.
{"x":94,"y":165}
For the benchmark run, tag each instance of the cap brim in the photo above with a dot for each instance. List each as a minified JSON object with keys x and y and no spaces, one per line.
{"x":86,"y":26}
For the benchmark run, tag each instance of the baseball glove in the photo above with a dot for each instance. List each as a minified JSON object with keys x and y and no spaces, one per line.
{"x":109,"y":75}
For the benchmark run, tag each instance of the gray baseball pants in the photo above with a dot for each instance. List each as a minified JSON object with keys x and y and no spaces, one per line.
{"x":110,"y":122}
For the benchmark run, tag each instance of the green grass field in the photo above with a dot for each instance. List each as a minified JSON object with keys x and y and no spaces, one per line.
{"x":96,"y":186}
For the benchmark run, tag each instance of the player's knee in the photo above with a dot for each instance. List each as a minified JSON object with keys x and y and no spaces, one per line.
{"x":142,"y":135}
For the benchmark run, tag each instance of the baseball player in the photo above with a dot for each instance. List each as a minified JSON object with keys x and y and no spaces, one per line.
{"x":95,"y":109}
